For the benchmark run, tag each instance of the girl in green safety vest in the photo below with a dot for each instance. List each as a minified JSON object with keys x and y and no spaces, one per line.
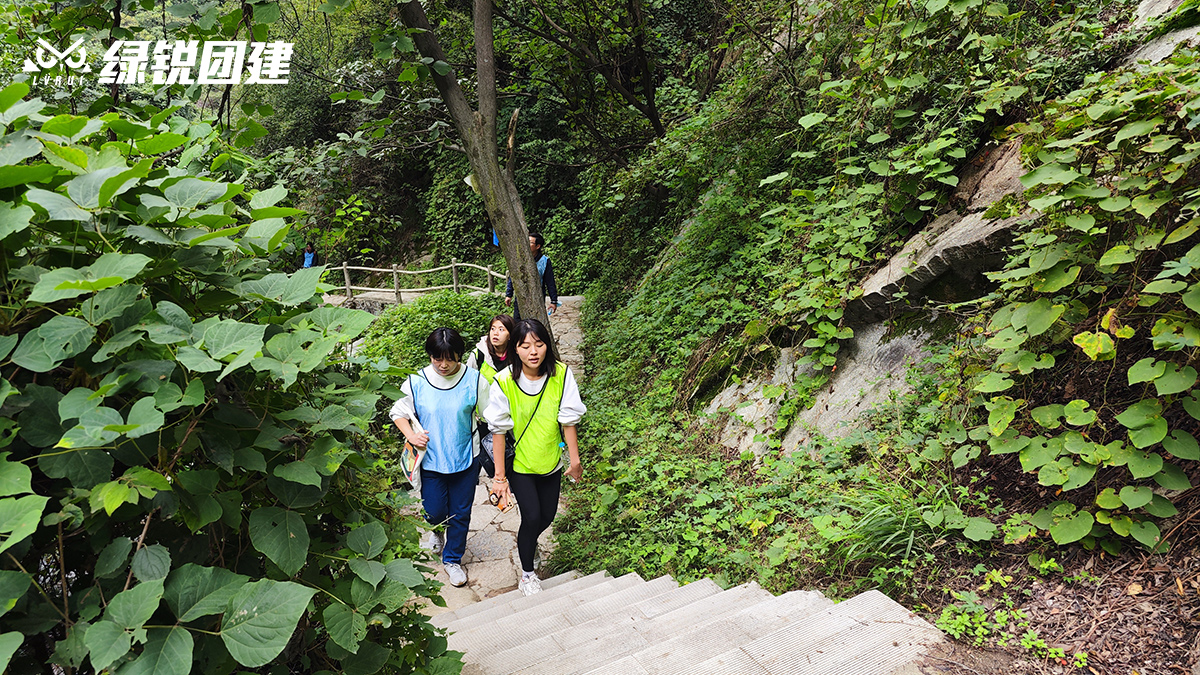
{"x":537,"y":399}
{"x":493,"y":354}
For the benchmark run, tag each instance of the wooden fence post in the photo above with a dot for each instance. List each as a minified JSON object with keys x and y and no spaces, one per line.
{"x":396,"y":284}
{"x":491,"y":280}
{"x":454,"y":273}
{"x":346,"y":274}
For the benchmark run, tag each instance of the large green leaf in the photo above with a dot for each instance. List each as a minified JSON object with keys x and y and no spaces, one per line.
{"x":1072,"y":528}
{"x":280,"y":535}
{"x":1145,"y":370}
{"x":134,"y":607}
{"x":112,"y":558}
{"x":193,"y":591}
{"x":368,"y":540}
{"x":19,"y":518}
{"x":1175,"y":380}
{"x":1182,"y":444}
{"x":13,"y":586}
{"x":260,"y":620}
{"x":110,"y":269}
{"x":45,"y":347}
{"x":168,"y":652}
{"x":346,"y":627}
{"x":83,"y":468}
{"x":286,"y":289}
{"x":106,"y":642}
{"x":15,"y":477}
{"x":151,"y":563}
{"x":13,"y":219}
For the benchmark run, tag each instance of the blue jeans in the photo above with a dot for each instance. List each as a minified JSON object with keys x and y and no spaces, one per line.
{"x":447,"y":498}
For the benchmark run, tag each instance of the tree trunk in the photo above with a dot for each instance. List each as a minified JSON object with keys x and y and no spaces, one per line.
{"x":477,"y":129}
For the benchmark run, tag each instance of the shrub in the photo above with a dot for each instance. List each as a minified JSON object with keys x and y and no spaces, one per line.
{"x":399,"y":334}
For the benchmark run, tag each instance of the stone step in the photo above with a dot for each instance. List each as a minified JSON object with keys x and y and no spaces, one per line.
{"x":485,"y":640}
{"x":553,"y":657}
{"x":446,"y":618}
{"x":869,"y":633}
{"x":622,"y":619}
{"x":546,"y":603}
{"x":707,"y":609}
{"x":706,"y":639}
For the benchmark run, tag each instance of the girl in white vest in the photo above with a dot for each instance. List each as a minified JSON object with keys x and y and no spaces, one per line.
{"x":444,"y":397}
{"x":493,"y":354}
{"x":537,"y":399}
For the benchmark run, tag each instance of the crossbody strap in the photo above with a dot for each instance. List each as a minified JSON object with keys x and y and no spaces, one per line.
{"x":533,"y":414}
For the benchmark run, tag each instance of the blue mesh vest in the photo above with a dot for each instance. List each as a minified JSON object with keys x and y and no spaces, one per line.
{"x":446,"y":416}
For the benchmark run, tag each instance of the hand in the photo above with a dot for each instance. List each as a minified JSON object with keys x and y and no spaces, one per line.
{"x":575,"y":472}
{"x":508,"y":301}
{"x":418,"y":440}
{"x":502,"y":490}
{"x":553,"y":307}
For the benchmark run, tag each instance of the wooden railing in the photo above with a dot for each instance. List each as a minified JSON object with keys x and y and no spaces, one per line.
{"x":396,"y":272}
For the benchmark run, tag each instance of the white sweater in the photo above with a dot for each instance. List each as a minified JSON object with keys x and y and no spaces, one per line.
{"x":499,"y":413}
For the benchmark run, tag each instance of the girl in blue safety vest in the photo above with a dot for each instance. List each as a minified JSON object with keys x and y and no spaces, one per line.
{"x":445,"y":397}
{"x":537,"y":399}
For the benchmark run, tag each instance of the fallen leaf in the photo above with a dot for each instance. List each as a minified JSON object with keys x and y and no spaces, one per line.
{"x":1179,"y":585}
{"x":1134,"y":589}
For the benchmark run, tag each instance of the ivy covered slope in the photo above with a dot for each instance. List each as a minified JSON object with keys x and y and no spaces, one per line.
{"x":185,"y":483}
{"x":830,"y":145}
{"x":1097,"y":327}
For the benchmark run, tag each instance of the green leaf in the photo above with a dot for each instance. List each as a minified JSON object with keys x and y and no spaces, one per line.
{"x":994,"y":382}
{"x":403,"y":571}
{"x":1079,"y":475}
{"x":83,"y":468}
{"x":1057,"y":278}
{"x":1072,"y":529}
{"x":1040,"y":452}
{"x":1049,"y":174}
{"x":13,"y":586}
{"x":1172,"y":478}
{"x":106,"y":642}
{"x":346,"y":627}
{"x":371,"y":657}
{"x":1175,"y":380}
{"x":1138,"y":128}
{"x":1098,"y":346}
{"x":299,"y":472}
{"x":10,"y":95}
{"x":112,"y":558}
{"x":160,"y":143}
{"x":15,"y":477}
{"x":151,"y":563}
{"x":812,"y":119}
{"x":281,"y":536}
{"x":1144,"y":464}
{"x":19,"y":518}
{"x":979,"y":529}
{"x":1146,"y":533}
{"x":1161,"y":507}
{"x":110,"y":269}
{"x":368,"y":540}
{"x":60,"y":338}
{"x":56,"y":206}
{"x":168,"y":652}
{"x":1117,"y":255}
{"x":14,"y":219}
{"x":1146,"y":370}
{"x":260,"y":620}
{"x":1112,"y":205}
{"x":1048,"y":415}
{"x":134,"y":607}
{"x":1108,"y":499}
{"x":1182,"y":445}
{"x":1136,"y":497}
{"x":1078,"y":414}
{"x":370,"y":571}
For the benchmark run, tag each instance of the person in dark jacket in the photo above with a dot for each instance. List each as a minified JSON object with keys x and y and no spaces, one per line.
{"x":545,"y":271}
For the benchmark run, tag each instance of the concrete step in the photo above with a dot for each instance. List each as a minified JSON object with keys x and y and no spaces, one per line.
{"x":869,"y":633}
{"x":485,"y":640}
{"x":546,"y":603}
{"x":681,"y":653}
{"x":553,"y":657}
{"x":556,"y":582}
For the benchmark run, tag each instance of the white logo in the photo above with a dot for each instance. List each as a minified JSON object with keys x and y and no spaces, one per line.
{"x":56,"y":57}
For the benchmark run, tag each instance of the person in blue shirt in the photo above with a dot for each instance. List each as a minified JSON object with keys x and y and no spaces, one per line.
{"x":545,"y":271}
{"x":309,"y":256}
{"x":445,"y":398}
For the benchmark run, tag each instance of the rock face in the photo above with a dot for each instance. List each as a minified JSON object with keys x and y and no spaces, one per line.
{"x":990,"y":175}
{"x":751,"y":412}
{"x":870,"y":370}
{"x":1161,"y":47}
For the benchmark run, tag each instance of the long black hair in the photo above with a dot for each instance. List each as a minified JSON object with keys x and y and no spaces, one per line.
{"x":509,"y":325}
{"x":533,"y":327}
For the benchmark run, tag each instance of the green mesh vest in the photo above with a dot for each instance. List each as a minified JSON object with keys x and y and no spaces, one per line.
{"x":538,"y":433}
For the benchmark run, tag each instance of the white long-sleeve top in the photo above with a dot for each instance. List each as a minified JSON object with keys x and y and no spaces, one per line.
{"x":499,"y":412}
{"x":405,"y":408}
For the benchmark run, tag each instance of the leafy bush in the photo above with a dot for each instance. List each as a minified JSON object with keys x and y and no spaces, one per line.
{"x":399,"y":334}
{"x":184,"y":478}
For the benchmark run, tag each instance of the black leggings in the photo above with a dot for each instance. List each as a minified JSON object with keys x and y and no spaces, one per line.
{"x":537,"y":495}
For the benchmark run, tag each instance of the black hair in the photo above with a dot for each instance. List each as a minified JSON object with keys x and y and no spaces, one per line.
{"x":310,"y":245}
{"x":527,"y":327}
{"x":511,"y":326}
{"x":539,"y":240}
{"x":445,"y":343}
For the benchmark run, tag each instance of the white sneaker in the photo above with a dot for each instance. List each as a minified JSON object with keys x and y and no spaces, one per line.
{"x":434,"y":542}
{"x":458,"y":576}
{"x":530,"y":584}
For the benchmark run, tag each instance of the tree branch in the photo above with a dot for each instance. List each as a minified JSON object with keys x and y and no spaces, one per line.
{"x":485,"y":67}
{"x":511,"y":166}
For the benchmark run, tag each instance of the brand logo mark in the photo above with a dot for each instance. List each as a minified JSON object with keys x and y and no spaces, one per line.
{"x":47,"y":56}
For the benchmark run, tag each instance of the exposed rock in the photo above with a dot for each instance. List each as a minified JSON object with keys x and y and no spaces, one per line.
{"x":869,"y":370}
{"x":1148,"y":10}
{"x":1161,"y":47}
{"x":752,"y":413}
{"x":964,"y":245}
{"x":994,"y":173}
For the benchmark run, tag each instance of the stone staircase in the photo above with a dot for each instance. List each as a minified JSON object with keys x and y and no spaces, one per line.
{"x":598,"y":624}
